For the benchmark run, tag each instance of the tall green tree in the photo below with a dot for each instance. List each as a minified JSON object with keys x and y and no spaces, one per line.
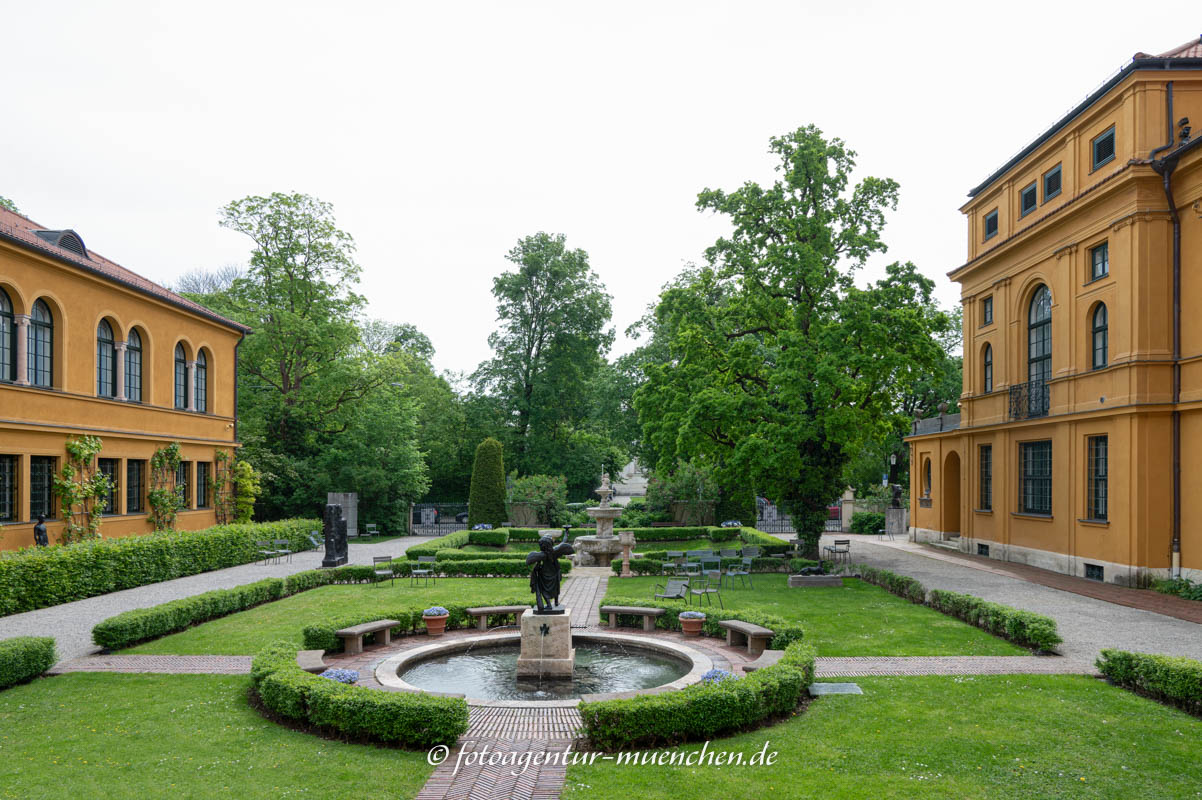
{"x":553,"y":335}
{"x":780,"y":367}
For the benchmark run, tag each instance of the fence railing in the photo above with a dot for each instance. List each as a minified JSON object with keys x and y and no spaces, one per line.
{"x":1029,"y":400}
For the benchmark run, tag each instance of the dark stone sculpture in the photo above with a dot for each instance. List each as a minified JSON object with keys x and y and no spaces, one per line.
{"x":546,"y":576}
{"x":334,"y":531}
{"x":39,"y":533}
{"x":897,"y":490}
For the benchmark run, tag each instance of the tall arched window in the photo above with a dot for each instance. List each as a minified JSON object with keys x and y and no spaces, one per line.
{"x":40,"y":371}
{"x":201,"y":380}
{"x":1101,"y":336}
{"x":106,"y":360}
{"x":181,"y":377}
{"x":133,"y":367}
{"x":1039,"y":336}
{"x":987,"y":368}
{"x":8,"y":339}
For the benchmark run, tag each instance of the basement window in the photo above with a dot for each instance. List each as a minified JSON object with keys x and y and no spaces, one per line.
{"x":1094,"y":572}
{"x":983,"y":550}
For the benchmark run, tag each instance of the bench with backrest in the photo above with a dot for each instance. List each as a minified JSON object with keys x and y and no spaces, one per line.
{"x":738,"y":632}
{"x":649,"y":615}
{"x":767,"y":659}
{"x":840,"y":550}
{"x":352,"y":637}
{"x":311,"y":661}
{"x":482,"y":613}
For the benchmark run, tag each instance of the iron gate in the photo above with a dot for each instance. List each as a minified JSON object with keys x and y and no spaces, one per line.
{"x":437,"y":519}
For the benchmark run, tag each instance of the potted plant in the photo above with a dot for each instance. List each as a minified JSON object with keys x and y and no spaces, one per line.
{"x":436,"y":620}
{"x":691,"y":621}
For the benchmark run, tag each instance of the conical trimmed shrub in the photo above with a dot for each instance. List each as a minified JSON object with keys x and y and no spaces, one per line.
{"x":486,"y":502}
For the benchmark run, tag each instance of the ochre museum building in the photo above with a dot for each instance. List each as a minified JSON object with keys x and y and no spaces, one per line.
{"x":1078,"y":447}
{"x":89,"y":348}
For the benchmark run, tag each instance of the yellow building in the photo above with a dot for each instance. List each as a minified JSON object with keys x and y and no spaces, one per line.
{"x":88,"y":347}
{"x":1079,"y":443}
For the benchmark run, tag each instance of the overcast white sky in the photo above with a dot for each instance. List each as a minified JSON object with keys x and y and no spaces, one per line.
{"x":444,"y":132}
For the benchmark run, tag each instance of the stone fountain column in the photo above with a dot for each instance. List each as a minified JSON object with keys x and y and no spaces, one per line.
{"x":600,"y":549}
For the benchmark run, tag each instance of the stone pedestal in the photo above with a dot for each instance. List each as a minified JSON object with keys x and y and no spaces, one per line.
{"x":626,"y":539}
{"x":801,"y":581}
{"x":547,"y":650}
{"x":897,"y":521}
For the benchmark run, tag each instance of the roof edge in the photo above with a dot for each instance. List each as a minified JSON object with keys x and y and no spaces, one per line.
{"x":1155,"y":63}
{"x":199,"y":311}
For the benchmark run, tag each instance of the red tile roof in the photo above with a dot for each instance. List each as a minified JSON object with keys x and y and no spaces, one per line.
{"x":21,"y":230}
{"x":1191,"y":49}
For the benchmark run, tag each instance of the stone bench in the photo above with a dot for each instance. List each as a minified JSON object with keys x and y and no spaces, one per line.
{"x":801,"y":581}
{"x":767,"y":658}
{"x":311,"y":661}
{"x":756,"y":637}
{"x":649,"y":615}
{"x":482,"y":613}
{"x":352,"y":637}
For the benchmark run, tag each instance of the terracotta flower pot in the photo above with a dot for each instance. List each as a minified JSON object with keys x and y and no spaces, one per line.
{"x":436,"y":626}
{"x":691,"y":627}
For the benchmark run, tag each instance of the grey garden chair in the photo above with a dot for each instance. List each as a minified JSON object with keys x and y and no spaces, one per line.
{"x":742,"y":572}
{"x":712,"y":568}
{"x":675,"y":590}
{"x":751,"y":551}
{"x":372,"y":529}
{"x":426,"y":572}
{"x":315,"y":540}
{"x":840,"y":550}
{"x":266,"y":551}
{"x":672,"y":564}
{"x":702,"y":588}
{"x":729,"y":552}
{"x":883,"y":532}
{"x":283,"y":548}
{"x":382,"y":567}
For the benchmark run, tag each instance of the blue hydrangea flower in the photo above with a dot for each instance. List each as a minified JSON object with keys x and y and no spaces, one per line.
{"x":436,"y":611}
{"x":691,"y":615}
{"x":341,"y":675}
{"x":483,"y":526}
{"x":732,"y":523}
{"x":717,"y":676}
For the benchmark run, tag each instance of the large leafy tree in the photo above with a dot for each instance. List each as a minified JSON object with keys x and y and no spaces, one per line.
{"x":553,"y":334}
{"x":780,"y":367}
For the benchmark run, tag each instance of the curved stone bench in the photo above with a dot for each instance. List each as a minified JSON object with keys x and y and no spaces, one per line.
{"x":767,"y":659}
{"x":352,"y":637}
{"x":311,"y":661}
{"x":649,"y":615}
{"x":482,"y":613}
{"x":756,"y":637}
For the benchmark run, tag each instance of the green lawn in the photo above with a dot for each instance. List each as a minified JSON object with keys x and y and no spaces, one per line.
{"x":857,"y":620}
{"x":247,"y":632}
{"x":84,"y":736}
{"x":938,"y":737}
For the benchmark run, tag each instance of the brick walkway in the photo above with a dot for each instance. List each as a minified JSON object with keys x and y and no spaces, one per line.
{"x":181,"y":665}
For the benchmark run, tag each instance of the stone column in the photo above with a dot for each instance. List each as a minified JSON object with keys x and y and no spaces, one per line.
{"x":119,"y":349}
{"x":190,"y":387}
{"x":22,"y":321}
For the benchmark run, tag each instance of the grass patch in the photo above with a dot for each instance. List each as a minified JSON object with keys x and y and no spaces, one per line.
{"x":247,"y":632}
{"x":856,"y":620}
{"x":1003,"y":736}
{"x":177,"y":736}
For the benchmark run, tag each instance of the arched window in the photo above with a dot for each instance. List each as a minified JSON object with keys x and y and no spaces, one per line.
{"x":8,"y":340}
{"x":201,"y":380}
{"x":106,"y":360}
{"x":181,"y":377}
{"x":40,"y":371}
{"x":133,"y":367}
{"x":987,"y":368}
{"x":1101,"y":336}
{"x":1039,"y":336}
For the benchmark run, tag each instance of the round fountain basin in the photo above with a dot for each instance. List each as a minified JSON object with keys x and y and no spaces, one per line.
{"x":489,"y":673}
{"x":483,"y":669}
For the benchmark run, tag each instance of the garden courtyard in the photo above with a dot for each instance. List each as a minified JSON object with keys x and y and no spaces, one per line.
{"x":953,"y":732}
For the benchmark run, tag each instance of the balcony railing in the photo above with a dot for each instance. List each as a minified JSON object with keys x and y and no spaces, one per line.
{"x":1029,"y":400}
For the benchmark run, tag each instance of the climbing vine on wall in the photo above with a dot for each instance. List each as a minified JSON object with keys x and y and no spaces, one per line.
{"x":246,"y":479}
{"x":82,"y":489}
{"x":165,"y":501}
{"x":222,"y":487}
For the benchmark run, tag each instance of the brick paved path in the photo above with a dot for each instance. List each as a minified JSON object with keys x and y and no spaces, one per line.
{"x":182,"y":665}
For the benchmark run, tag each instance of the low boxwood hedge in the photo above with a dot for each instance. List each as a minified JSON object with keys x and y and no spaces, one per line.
{"x":900,"y":585}
{"x":25,"y":657}
{"x":45,"y":576}
{"x":493,"y":538}
{"x":320,"y":635}
{"x":1170,"y":679}
{"x":1024,"y":628}
{"x":704,"y":710}
{"x":473,"y":555}
{"x":484,"y":565}
{"x":652,"y":564}
{"x":452,"y":541}
{"x":785,"y":632}
{"x":414,"y":720}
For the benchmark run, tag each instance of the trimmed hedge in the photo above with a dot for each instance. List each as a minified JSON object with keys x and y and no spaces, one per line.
{"x":321,"y":636}
{"x":469,"y":555}
{"x":1021,"y":627}
{"x":785,"y":632}
{"x":867,"y":521}
{"x":900,"y":585}
{"x":486,"y":496}
{"x":482,"y":565}
{"x":702,"y":711}
{"x":33,"y":578}
{"x":493,"y":538}
{"x":652,"y":564}
{"x":414,"y":720}
{"x":766,"y":541}
{"x":25,"y":657}
{"x":1169,"y":679}
{"x":452,"y":541}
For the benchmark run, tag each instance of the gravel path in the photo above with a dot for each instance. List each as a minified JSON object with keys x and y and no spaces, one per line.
{"x":1086,"y":623}
{"x":71,"y":623}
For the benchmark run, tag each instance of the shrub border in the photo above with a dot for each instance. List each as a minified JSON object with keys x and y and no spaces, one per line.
{"x":1172,"y":680}
{"x":23,"y":658}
